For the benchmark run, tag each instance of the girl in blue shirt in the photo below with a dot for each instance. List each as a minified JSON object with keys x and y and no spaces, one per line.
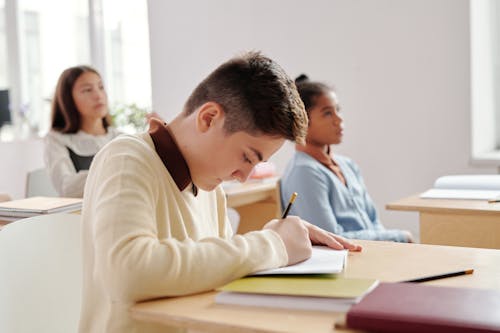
{"x":334,"y":194}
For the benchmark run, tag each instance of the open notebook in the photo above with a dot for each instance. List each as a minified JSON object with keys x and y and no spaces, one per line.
{"x":322,"y":261}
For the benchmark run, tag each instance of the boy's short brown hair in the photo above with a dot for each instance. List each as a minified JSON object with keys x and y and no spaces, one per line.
{"x":257,"y":96}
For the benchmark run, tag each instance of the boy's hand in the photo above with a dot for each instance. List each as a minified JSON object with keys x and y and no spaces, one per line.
{"x":319,"y":236}
{"x":295,"y":235}
{"x":299,"y":235}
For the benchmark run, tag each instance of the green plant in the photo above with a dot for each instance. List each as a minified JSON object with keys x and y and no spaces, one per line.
{"x":129,"y":117}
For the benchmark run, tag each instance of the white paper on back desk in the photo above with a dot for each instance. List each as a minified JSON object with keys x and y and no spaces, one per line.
{"x":480,"y":187}
{"x":322,"y":261}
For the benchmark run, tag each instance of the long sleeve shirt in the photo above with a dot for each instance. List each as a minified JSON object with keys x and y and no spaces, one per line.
{"x":61,"y":154}
{"x":148,"y":233}
{"x":326,"y":202}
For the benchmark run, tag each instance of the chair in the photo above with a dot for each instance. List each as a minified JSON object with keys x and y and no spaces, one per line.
{"x":41,"y":274}
{"x":38,"y":183}
{"x":234,"y":218}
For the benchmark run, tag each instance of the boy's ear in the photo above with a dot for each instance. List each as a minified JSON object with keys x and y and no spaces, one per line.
{"x":208,"y":115}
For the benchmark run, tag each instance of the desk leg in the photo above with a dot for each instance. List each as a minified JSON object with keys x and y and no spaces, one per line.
{"x":460,"y":230}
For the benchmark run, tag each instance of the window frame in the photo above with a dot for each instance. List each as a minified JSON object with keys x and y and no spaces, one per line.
{"x":14,"y":44}
{"x":485,"y":104}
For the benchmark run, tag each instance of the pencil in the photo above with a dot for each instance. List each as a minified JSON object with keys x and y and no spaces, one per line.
{"x":292,"y":199}
{"x":441,"y":276}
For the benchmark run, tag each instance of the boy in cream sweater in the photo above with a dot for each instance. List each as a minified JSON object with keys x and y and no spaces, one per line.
{"x":154,"y":215}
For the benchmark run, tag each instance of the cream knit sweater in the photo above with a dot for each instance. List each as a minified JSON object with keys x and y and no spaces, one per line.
{"x":143,"y":238}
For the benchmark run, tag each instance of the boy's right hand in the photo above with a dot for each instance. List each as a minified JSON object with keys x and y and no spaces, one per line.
{"x":295,"y":236}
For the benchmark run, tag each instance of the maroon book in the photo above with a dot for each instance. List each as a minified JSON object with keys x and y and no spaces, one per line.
{"x":413,"y":307}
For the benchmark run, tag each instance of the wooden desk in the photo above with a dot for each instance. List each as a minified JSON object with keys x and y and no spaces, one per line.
{"x":4,"y":197}
{"x":385,"y":261}
{"x":256,"y":202}
{"x":473,"y":223}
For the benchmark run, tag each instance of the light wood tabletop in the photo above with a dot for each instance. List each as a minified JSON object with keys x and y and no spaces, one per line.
{"x":385,"y":261}
{"x":414,"y":202}
{"x":472,"y":223}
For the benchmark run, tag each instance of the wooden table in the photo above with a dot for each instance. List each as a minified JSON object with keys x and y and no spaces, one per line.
{"x":473,"y":223}
{"x":257,"y":202}
{"x":385,"y":261}
{"x":4,"y":197}
{"x":3,"y":223}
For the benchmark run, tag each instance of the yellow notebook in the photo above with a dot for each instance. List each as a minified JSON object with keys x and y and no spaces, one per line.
{"x":310,"y":292}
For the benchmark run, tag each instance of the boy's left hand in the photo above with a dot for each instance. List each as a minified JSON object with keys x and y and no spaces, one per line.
{"x":319,"y":236}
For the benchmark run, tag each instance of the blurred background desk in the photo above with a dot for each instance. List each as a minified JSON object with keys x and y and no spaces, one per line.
{"x":257,"y":202}
{"x":472,"y":223}
{"x":385,"y":261}
{"x":4,"y":197}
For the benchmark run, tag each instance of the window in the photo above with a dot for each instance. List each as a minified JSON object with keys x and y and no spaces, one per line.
{"x":485,"y":81}
{"x":127,"y":52}
{"x":3,"y":47}
{"x":56,"y":34}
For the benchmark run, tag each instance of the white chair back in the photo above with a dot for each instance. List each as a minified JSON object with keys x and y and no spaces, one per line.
{"x":234,"y":219}
{"x":41,"y":274}
{"x":38,"y":183}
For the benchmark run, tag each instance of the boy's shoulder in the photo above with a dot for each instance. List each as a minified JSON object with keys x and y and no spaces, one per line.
{"x":130,"y":144}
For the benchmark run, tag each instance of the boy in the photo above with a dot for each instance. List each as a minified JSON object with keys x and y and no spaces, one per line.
{"x":154,"y":217}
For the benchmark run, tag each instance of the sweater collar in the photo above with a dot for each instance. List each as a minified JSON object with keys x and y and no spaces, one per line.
{"x":167,"y":148}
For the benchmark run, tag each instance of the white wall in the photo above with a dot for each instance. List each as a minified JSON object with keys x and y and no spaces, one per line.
{"x":401,"y":69}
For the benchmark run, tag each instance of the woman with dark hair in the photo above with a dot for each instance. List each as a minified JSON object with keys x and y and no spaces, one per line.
{"x":335,"y":196}
{"x":80,"y":127}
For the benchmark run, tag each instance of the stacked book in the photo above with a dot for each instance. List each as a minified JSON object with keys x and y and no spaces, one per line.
{"x":309,"y":285}
{"x":22,"y":208}
{"x":307,"y":292}
{"x":415,"y":308}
